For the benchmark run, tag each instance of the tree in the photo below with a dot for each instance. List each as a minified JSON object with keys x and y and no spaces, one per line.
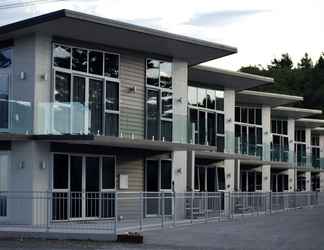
{"x":284,"y":62}
{"x":306,"y":62}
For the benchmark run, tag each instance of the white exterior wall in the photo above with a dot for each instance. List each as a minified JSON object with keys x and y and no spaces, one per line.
{"x":308,"y":176}
{"x":229,"y":110}
{"x":291,"y":139}
{"x":180,"y":101}
{"x":266,"y":129}
{"x":266,"y":178}
{"x":322,"y":156}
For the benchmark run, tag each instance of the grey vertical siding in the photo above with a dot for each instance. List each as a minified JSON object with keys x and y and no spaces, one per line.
{"x":132,"y":70}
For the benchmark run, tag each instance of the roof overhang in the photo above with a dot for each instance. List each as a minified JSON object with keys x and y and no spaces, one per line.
{"x":294,"y":113}
{"x":309,"y":123}
{"x":318,"y":131}
{"x":210,"y":77}
{"x":221,"y":156}
{"x":93,"y":29}
{"x":265,"y":98}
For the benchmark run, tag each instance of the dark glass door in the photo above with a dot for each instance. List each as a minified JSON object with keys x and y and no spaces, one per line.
{"x":153,"y":113}
{"x":152,"y":187}
{"x":4,"y":95}
{"x":76,"y":196}
{"x":92,"y":168}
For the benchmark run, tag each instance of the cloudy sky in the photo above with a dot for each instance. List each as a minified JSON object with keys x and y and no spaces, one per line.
{"x":260,"y":29}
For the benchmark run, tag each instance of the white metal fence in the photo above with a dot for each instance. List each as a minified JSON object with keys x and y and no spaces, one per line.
{"x":113,"y":212}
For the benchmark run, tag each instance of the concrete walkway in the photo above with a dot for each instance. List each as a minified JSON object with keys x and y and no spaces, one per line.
{"x":301,"y":229}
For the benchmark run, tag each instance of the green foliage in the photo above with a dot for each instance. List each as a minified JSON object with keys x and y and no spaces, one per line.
{"x":306,"y":79}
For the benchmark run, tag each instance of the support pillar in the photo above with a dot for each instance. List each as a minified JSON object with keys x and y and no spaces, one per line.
{"x":291,"y":141}
{"x":292,"y":180}
{"x":266,"y":178}
{"x":229,"y":175}
{"x":308,"y":135}
{"x":308,"y":176}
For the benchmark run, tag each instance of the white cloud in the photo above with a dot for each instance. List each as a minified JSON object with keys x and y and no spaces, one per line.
{"x":276,"y":27}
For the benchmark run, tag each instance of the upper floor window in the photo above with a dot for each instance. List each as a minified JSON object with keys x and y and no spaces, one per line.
{"x":159,"y":73}
{"x":206,"y":98}
{"x":248,"y":115}
{"x":5,"y":58}
{"x":159,"y":100}
{"x":89,"y":61}
{"x":300,"y":135}
{"x":279,"y":127}
{"x":315,"y":140}
{"x":87,"y":87}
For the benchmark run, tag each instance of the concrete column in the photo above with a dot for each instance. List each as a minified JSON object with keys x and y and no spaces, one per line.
{"x":266,"y":178}
{"x":229,"y":110}
{"x":180,"y":100}
{"x":266,"y":127}
{"x":291,"y":141}
{"x":180,"y":171}
{"x":308,"y":134}
{"x":308,"y":176}
{"x":229,"y":166}
{"x":190,"y":171}
{"x":292,"y":180}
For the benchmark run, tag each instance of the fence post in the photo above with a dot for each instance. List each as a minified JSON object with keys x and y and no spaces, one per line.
{"x":141,"y":210}
{"x":48,"y":210}
{"x":174,"y":208}
{"x":116,"y":214}
{"x":206,"y":207}
{"x":270,"y":202}
{"x":163,"y":206}
{"x":191,"y":207}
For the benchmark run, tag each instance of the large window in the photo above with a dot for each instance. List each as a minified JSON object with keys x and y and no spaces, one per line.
{"x":250,"y":181}
{"x":5,"y":70}
{"x":300,"y":146}
{"x":209,"y":179}
{"x":86,"y":91}
{"x":159,"y":100}
{"x":82,"y":185}
{"x":206,"y":116}
{"x":248,"y":130}
{"x":315,"y":147}
{"x":279,"y":146}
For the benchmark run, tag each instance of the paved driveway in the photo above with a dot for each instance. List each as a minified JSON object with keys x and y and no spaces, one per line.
{"x":302,"y":229}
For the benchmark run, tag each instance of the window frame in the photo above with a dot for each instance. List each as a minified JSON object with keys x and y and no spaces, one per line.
{"x":88,"y":76}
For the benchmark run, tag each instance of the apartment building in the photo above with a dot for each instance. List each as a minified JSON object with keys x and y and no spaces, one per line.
{"x":91,"y":106}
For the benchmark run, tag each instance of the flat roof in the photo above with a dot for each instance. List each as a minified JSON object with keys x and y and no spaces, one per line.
{"x":309,"y":123}
{"x":211,"y":77}
{"x":83,"y":27}
{"x":265,"y":98}
{"x":293,"y":112}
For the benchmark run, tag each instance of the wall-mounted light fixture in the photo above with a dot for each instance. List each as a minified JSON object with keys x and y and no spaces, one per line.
{"x":21,"y":164}
{"x":179,"y":100}
{"x":22,"y":75}
{"x":44,"y":77}
{"x":132,"y":89}
{"x":265,"y":178}
{"x":229,"y":120}
{"x":228,"y":176}
{"x":290,"y":180}
{"x":42,"y":165}
{"x":266,"y":132}
{"x":179,"y":171}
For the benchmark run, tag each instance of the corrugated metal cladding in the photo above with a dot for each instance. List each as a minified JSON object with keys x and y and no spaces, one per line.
{"x":132,"y":75}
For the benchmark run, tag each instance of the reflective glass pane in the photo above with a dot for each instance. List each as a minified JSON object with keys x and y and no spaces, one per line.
{"x":62,"y":56}
{"x":62,"y":87}
{"x":237,"y":114}
{"x":111,"y":65}
{"x":96,"y":63}
{"x":4,"y":95}
{"x":166,"y":130}
{"x":79,"y":59}
{"x":111,"y":124}
{"x":152,"y":104}
{"x":112,"y":95}
{"x":5,"y":58}
{"x":152,"y":72}
{"x":60,"y":171}
{"x":192,"y":96}
{"x":220,"y":124}
{"x":202,"y":98}
{"x":220,"y":100}
{"x":211,"y":99}
{"x":166,"y":174}
{"x":166,"y":75}
{"x":258,"y":117}
{"x":202,"y":127}
{"x":96,"y":105}
{"x":211,"y":129}
{"x":251,"y":116}
{"x":167,"y":102}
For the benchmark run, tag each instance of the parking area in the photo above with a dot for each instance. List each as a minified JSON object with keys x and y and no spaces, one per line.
{"x":296,"y":229}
